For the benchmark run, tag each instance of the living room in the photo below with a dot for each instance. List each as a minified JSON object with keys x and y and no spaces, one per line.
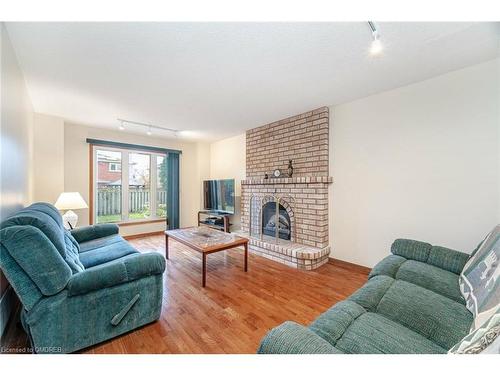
{"x":250,"y":187}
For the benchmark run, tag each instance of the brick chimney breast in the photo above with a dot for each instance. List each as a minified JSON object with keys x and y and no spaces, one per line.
{"x":304,"y":140}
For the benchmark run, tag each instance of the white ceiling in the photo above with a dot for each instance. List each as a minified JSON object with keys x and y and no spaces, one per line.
{"x":213,"y":80}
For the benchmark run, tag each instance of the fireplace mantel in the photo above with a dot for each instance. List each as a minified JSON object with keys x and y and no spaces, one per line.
{"x":289,"y":180}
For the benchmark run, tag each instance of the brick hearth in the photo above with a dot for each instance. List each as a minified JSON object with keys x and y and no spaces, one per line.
{"x":289,"y":253}
{"x":303,"y":139}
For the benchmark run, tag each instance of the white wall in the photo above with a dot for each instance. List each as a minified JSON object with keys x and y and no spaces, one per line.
{"x":16,"y":122}
{"x":48,"y":165}
{"x":228,"y":160}
{"x":420,"y":162}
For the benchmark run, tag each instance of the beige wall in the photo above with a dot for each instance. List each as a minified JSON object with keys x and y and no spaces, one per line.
{"x":417,"y":162}
{"x":48,"y":147}
{"x":227,"y":160}
{"x":16,"y":128}
{"x":76,"y":170}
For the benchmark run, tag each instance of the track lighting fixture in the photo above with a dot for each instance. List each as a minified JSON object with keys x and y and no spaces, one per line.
{"x":149,"y":127}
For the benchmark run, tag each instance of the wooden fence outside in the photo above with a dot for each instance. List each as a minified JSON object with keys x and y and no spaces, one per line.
{"x":109,"y":200}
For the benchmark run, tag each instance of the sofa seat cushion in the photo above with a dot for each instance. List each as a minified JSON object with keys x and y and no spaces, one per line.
{"x":430,"y":277}
{"x":435,"y":317}
{"x":373,"y":333}
{"x":119,"y":271}
{"x":100,"y":242}
{"x":350,"y":328}
{"x":432,"y":315}
{"x":107,"y":253}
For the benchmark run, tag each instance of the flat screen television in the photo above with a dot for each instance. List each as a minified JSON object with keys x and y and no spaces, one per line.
{"x":218,"y":196}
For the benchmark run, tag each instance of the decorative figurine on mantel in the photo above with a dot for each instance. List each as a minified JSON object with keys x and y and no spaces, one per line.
{"x":290,"y":168}
{"x":266,"y":176}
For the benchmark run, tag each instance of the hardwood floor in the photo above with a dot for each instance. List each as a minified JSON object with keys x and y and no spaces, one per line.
{"x":234,"y":311}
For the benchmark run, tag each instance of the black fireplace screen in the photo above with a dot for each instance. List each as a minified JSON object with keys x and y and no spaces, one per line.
{"x":269,"y":221}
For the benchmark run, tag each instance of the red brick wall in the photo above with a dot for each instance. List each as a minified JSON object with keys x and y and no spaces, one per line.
{"x":105,"y":175}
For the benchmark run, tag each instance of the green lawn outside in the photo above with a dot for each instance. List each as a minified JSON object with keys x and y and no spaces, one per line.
{"x":117,"y":218}
{"x":108,"y":219}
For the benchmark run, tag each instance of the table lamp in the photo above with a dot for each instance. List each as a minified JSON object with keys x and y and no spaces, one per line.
{"x":70,"y":201}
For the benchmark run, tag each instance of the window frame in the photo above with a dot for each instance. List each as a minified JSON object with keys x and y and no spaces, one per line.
{"x":153,"y":179}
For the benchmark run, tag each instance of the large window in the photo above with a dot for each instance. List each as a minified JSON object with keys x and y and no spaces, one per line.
{"x":129,"y":185}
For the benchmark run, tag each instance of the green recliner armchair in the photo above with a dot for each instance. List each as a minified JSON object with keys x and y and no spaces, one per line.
{"x":77,"y":288}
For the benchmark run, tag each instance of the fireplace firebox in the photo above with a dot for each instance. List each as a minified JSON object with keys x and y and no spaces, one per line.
{"x":276,"y":219}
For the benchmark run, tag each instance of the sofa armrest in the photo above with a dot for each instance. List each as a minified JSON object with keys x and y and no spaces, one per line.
{"x":121,"y":271}
{"x":92,"y":232}
{"x":292,"y":338}
{"x":388,"y":266}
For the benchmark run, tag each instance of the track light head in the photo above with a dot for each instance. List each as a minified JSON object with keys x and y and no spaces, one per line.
{"x":376,"y":47}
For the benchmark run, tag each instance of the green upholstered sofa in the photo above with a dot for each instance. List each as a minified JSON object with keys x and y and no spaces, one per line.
{"x":77,"y":288}
{"x":410,"y":304}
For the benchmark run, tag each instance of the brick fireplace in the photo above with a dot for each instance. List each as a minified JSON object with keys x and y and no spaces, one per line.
{"x":286,"y":218}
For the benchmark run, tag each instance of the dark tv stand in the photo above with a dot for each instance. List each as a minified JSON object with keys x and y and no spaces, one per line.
{"x":215,"y":220}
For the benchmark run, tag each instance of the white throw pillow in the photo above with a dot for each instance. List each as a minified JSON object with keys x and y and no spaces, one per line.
{"x":484,"y":340}
{"x":480,"y":279}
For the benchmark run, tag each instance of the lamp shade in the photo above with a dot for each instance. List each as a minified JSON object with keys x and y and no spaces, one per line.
{"x":70,"y":201}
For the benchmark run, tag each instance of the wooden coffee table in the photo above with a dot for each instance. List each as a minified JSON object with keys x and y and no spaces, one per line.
{"x":206,"y":241}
